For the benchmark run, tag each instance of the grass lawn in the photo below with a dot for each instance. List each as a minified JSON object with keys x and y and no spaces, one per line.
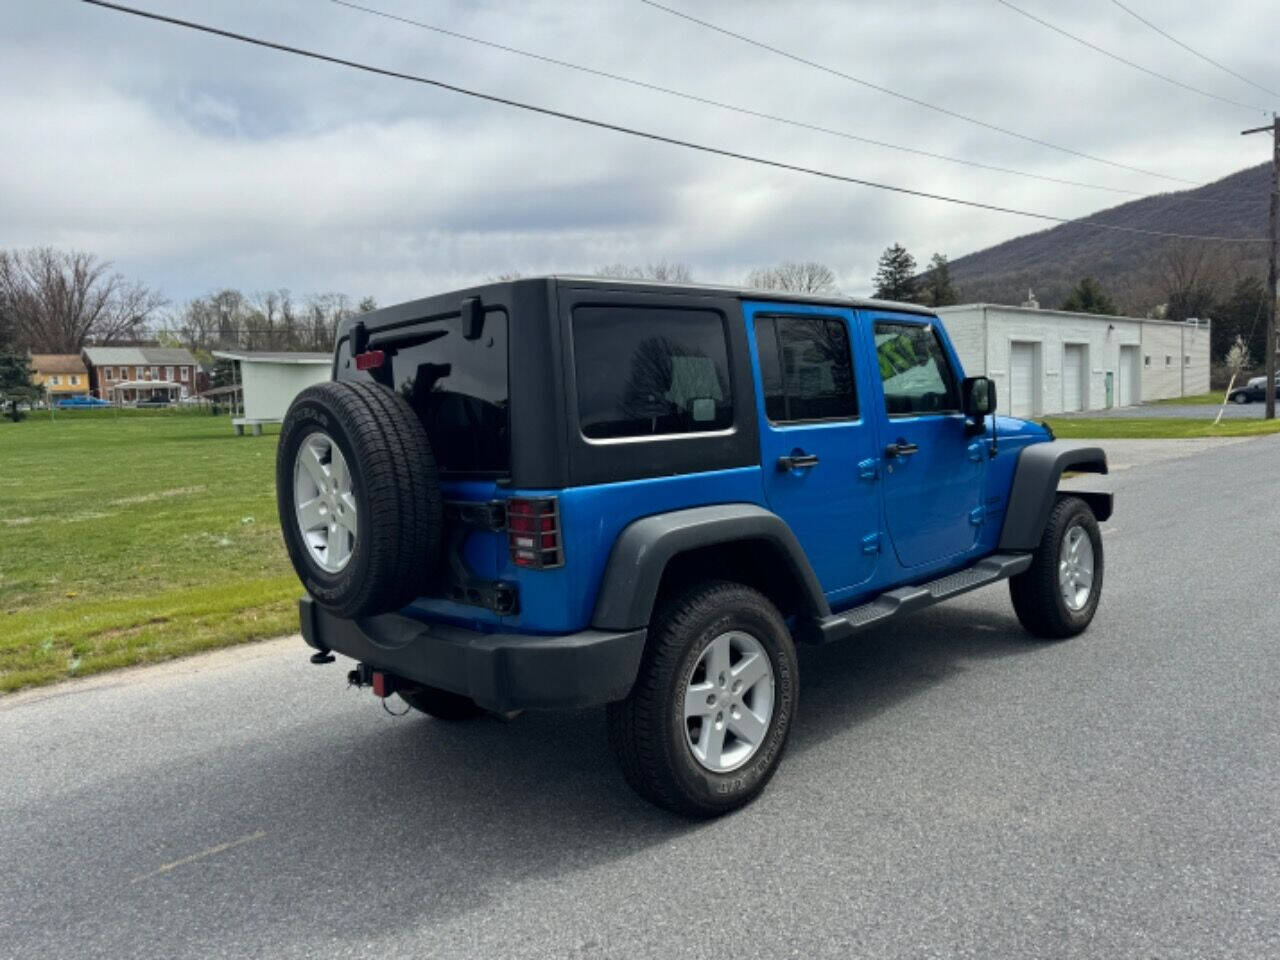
{"x":1108,"y":428}
{"x":132,"y":537}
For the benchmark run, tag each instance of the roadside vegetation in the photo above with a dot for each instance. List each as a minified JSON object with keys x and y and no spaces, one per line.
{"x":1156,"y":428}
{"x":133,"y":536}
{"x":1199,"y":399}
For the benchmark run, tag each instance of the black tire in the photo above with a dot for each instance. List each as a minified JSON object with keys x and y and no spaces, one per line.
{"x":1240,"y":397}
{"x":442,"y":704}
{"x":647,"y":730}
{"x":1037,"y":593}
{"x":396,"y":489}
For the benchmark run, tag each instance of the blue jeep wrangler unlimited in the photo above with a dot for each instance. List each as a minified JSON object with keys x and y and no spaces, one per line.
{"x":560,"y":492}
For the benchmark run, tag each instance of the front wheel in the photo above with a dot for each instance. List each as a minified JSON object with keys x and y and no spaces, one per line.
{"x":1057,"y":596}
{"x":1240,"y":397}
{"x":705,"y":725}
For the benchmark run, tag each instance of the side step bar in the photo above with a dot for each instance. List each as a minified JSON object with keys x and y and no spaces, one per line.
{"x":999,"y":566}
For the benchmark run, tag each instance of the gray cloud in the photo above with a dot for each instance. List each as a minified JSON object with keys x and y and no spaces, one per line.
{"x":195,"y":162}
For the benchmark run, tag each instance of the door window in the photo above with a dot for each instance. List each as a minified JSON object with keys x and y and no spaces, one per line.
{"x":914,"y":370}
{"x":806,"y":369}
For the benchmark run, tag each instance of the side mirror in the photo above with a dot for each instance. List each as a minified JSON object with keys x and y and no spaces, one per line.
{"x":979,"y":398}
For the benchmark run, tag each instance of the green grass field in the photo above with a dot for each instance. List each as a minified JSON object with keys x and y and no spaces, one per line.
{"x":1156,"y":428}
{"x":1198,"y":399}
{"x":134,"y":537}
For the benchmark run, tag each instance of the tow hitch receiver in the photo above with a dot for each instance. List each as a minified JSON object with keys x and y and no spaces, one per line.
{"x":383,"y":684}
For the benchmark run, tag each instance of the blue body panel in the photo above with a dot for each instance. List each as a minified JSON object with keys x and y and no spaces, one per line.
{"x":867,"y":523}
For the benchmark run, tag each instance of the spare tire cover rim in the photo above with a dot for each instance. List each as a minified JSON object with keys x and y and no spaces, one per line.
{"x":324,"y":502}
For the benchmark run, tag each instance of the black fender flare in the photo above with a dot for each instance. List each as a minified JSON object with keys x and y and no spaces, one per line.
{"x":644,"y":548}
{"x":1035,"y":490}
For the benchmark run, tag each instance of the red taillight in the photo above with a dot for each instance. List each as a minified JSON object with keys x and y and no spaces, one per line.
{"x":370,"y":359}
{"x":533,"y":532}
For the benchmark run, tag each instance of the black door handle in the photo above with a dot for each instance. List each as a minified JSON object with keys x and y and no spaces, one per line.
{"x":901,"y":449}
{"x":797,"y":460}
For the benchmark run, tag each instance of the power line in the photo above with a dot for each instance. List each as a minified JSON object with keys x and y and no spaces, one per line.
{"x":751,"y":112}
{"x":909,"y":99}
{"x":1127,"y":62}
{"x":647,"y":135}
{"x":1168,"y":36}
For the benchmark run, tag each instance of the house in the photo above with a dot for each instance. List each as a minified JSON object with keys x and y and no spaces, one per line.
{"x":1055,"y":361}
{"x":270,"y":380}
{"x":60,"y":374}
{"x":129,"y":374}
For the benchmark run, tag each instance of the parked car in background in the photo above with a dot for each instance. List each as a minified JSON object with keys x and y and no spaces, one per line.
{"x":81,"y":403}
{"x":1253,"y":391}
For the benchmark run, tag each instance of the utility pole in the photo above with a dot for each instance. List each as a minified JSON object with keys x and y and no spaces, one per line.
{"x":1274,"y":128}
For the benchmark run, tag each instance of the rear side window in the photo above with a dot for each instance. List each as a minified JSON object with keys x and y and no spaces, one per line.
{"x":458,"y":388}
{"x":913,"y":367}
{"x":650,"y":371}
{"x":806,"y":369}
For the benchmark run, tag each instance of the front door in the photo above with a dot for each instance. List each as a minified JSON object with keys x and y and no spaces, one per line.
{"x":819,"y":451}
{"x":934,"y":467}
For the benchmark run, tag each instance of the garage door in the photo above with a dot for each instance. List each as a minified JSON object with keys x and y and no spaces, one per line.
{"x":1073,"y":377}
{"x":1022,"y":369}
{"x":1129,"y":377}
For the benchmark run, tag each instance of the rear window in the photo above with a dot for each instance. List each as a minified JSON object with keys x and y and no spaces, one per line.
{"x":650,"y":371}
{"x":458,"y":388}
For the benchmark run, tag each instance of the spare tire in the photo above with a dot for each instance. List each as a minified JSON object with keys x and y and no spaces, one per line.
{"x":359,"y":498}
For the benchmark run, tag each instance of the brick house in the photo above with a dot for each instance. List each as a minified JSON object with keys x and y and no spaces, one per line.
{"x":129,"y":374}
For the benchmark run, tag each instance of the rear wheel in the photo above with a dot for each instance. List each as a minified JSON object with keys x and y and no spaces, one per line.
{"x":442,"y":704}
{"x":1057,"y":596}
{"x":705,"y":726}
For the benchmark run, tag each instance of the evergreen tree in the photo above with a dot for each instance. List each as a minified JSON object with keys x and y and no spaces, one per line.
{"x":1242,"y":315}
{"x":895,"y":277}
{"x":15,"y":384}
{"x":938,"y":291}
{"x":1088,"y":297}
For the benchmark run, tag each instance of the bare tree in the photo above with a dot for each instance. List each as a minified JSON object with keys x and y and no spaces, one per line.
{"x":1193,"y":274}
{"x":58,"y":300}
{"x":807,"y":277}
{"x":663,"y":271}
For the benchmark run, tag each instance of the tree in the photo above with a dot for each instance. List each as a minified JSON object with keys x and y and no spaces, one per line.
{"x":15,"y":384}
{"x":1237,"y":358}
{"x":895,"y":277}
{"x":662,"y":271}
{"x":938,"y":291}
{"x":1193,"y":274}
{"x":367,"y":305}
{"x":58,"y":301}
{"x":1088,"y":297}
{"x":806,"y":277}
{"x":1241,"y":316}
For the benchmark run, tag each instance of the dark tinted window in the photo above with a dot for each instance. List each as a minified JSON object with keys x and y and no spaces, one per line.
{"x":806,"y":369}
{"x":458,"y":387}
{"x":913,"y":367}
{"x":648,"y":371}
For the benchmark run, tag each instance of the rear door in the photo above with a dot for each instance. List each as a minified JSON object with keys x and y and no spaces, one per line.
{"x":818,"y":448}
{"x":933,"y":467}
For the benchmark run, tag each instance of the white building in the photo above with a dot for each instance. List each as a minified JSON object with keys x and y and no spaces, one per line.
{"x":270,"y":381}
{"x":1054,"y":361}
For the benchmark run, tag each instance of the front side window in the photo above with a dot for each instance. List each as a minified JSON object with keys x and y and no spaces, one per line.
{"x":914,"y":370}
{"x":650,"y":371}
{"x":806,"y":369}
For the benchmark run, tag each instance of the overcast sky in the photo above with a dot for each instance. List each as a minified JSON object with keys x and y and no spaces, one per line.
{"x":195,"y":162}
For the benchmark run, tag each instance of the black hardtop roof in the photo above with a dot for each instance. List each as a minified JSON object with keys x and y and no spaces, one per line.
{"x":443,"y":304}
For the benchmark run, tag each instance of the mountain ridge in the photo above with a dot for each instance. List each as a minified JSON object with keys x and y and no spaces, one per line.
{"x":1131,"y":267}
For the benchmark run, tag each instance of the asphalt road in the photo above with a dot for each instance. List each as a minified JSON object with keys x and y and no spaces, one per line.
{"x":952,"y":789}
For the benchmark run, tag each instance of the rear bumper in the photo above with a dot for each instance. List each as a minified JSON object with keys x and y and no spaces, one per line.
{"x":500,"y":671}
